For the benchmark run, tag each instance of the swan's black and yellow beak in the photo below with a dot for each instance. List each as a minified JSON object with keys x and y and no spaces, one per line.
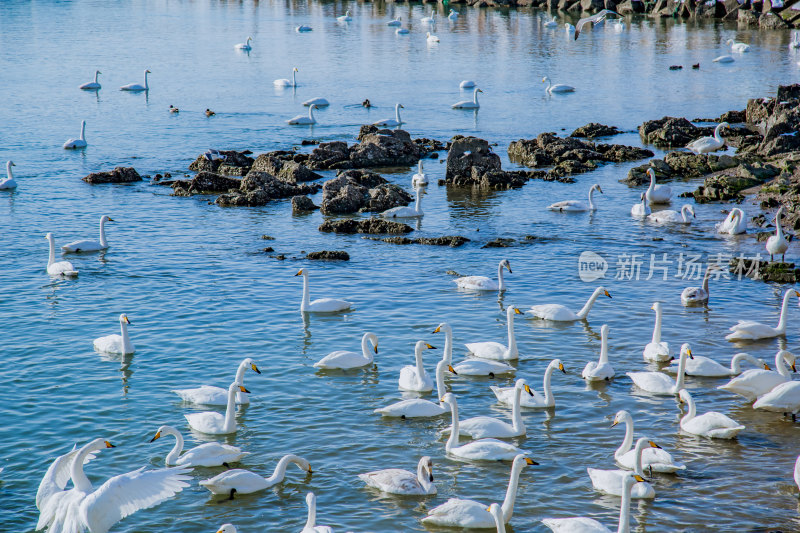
{"x":561,"y":367}
{"x":428,"y":346}
{"x":438,"y":329}
{"x":638,"y":478}
{"x":797,"y":293}
{"x":299,"y":273}
{"x":527,"y":389}
{"x":451,"y":369}
{"x":766,"y":366}
{"x":241,"y":388}
{"x":109,"y":219}
{"x":614,"y":423}
{"x":793,"y":368}
{"x":689,"y":351}
{"x":127,"y":320}
{"x":516,"y":310}
{"x":158,"y":436}
{"x":530,"y":461}
{"x":606,"y":293}
{"x":109,"y":445}
{"x":255,"y":368}
{"x":654,"y":445}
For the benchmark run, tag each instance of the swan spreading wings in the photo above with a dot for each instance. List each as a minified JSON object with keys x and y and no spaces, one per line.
{"x":594,"y":19}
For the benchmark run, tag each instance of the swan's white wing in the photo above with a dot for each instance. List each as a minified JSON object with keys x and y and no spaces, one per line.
{"x":700,"y":366}
{"x":211,"y":454}
{"x":484,"y":426}
{"x":58,"y":475}
{"x":783,"y":398}
{"x":506,"y":397}
{"x":579,"y":524}
{"x":460,"y":513}
{"x":412,"y":408}
{"x":205,"y":395}
{"x":552,"y":312}
{"x":749,"y":329}
{"x":657,"y":351}
{"x":479,"y":367}
{"x":342,"y":359}
{"x":652,"y":382}
{"x":488,"y":350}
{"x":476,"y":282}
{"x":394,"y":481}
{"x":127,"y":493}
{"x":329,"y":304}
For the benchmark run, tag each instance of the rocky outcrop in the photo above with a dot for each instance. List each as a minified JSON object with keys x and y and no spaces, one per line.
{"x":728,"y":184}
{"x":771,"y":21}
{"x":303,"y":204}
{"x":329,"y":255}
{"x":361,"y":225}
{"x":228,"y":162}
{"x":259,"y":188}
{"x":784,"y":191}
{"x":452,"y":241}
{"x":283,"y":169}
{"x":330,"y":156}
{"x":205,"y":183}
{"x":118,"y":175}
{"x":355,"y":191}
{"x":466,"y":154}
{"x":671,"y":132}
{"x":777,"y":121}
{"x":679,"y":165}
{"x":593,"y":129}
{"x":376,"y":148}
{"x":764,"y":270}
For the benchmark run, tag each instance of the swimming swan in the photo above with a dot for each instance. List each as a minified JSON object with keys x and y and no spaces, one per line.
{"x":469,"y":104}
{"x":734,"y":224}
{"x":414,"y":377}
{"x":602,"y":369}
{"x":576,"y":205}
{"x":704,"y":145}
{"x":246,"y":482}
{"x":391,"y":122}
{"x":777,"y":244}
{"x":757,"y":382}
{"x":560,"y":313}
{"x":482,"y":283}
{"x":466,"y":84}
{"x":118,"y":344}
{"x":245,"y":45}
{"x":495,"y":350}
{"x":480,"y":427}
{"x":343,"y":359}
{"x":667,"y":216}
{"x":395,"y":22}
{"x":287,"y":83}
{"x":698,"y":295}
{"x":471,"y":367}
{"x":321,"y":305}
{"x":135,"y":87}
{"x":432,"y":38}
{"x":417,"y":407}
{"x":657,"y":350}
{"x":302,"y":119}
{"x":559,"y":87}
{"x":712,"y":424}
{"x":610,"y":481}
{"x":213,"y":423}
{"x":60,"y":268}
{"x":660,"y":383}
{"x":403,"y":211}
{"x":653,"y":459}
{"x":211,"y":395}
{"x":657,"y":194}
{"x":641,"y":210}
{"x":90,"y":245}
{"x":738,"y":47}
{"x":76,"y":144}
{"x":208,"y":454}
{"x":703,"y":366}
{"x":785,"y":398}
{"x":403,"y":482}
{"x":318,"y":101}
{"x":750,"y":330}
{"x":92,"y":85}
{"x":534,"y":400}
{"x":345,"y":18}
{"x":311,"y":527}
{"x":417,"y":180}
{"x":9,"y":182}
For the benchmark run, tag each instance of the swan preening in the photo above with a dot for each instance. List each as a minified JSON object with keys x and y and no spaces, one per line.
{"x":80,"y":142}
{"x":657,"y":350}
{"x":560,"y":313}
{"x":483,"y":283}
{"x":414,"y":377}
{"x":471,"y":367}
{"x":403,"y":211}
{"x":557,"y":88}
{"x":460,"y":513}
{"x":602,"y":369}
{"x":712,"y":424}
{"x":321,"y":305}
{"x":58,"y":268}
{"x":757,"y":382}
{"x":89,"y":245}
{"x":653,"y":459}
{"x":343,"y":359}
{"x":403,"y":482}
{"x":734,"y":224}
{"x":302,"y":119}
{"x":495,"y":350}
{"x":577,"y":205}
{"x":135,"y":87}
{"x":610,"y":481}
{"x":213,"y":423}
{"x":287,"y":83}
{"x":706,"y":367}
{"x":116,"y":344}
{"x":657,"y":194}
{"x":469,"y":104}
{"x":704,"y":145}
{"x":391,"y":122}
{"x":92,"y":85}
{"x":667,"y":216}
{"x":777,"y":244}
{"x":245,"y":482}
{"x":210,"y":395}
{"x":533,"y":400}
{"x":418,"y":407}
{"x":699,"y":295}
{"x":660,"y":383}
{"x":751,"y":330}
{"x":245,"y":45}
{"x":208,"y":454}
{"x":83,"y":507}
{"x":8,"y":182}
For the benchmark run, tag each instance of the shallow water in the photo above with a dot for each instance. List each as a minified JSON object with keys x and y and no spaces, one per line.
{"x":202,"y":296}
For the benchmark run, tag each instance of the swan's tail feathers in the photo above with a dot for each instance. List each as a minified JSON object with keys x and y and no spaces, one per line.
{"x":70,"y":273}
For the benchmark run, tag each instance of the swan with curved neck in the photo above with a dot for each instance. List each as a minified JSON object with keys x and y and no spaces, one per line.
{"x":342,"y":359}
{"x":405,"y":211}
{"x":417,"y":407}
{"x":757,"y":382}
{"x":711,"y":424}
{"x":245,"y":482}
{"x":396,"y":121}
{"x":9,"y":182}
{"x":311,"y":521}
{"x":469,"y":104}
{"x":58,"y":268}
{"x":471,"y":367}
{"x":208,"y":454}
{"x":750,"y":330}
{"x":456,"y":512}
{"x":559,"y":87}
{"x":480,"y":427}
{"x":560,"y":313}
{"x":660,"y":383}
{"x":214,"y":423}
{"x":657,"y":350}
{"x":495,"y":350}
{"x":602,"y":369}
{"x":668,"y":215}
{"x":653,"y":459}
{"x":245,"y":45}
{"x":415,"y":378}
{"x":734,"y":224}
{"x":576,"y":206}
{"x":706,"y":367}
{"x":89,"y":245}
{"x":483,"y":283}
{"x":116,"y":344}
{"x":321,"y":305}
{"x":533,"y":400}
{"x":657,"y":194}
{"x":610,"y":481}
{"x":403,"y":482}
{"x":92,"y":85}
{"x":777,"y":244}
{"x":135,"y":87}
{"x":75,"y":144}
{"x":211,"y":395}
{"x":641,"y":210}
{"x":704,"y":145}
{"x":301,"y":119}
{"x":699,"y":295}
{"x":287,"y":83}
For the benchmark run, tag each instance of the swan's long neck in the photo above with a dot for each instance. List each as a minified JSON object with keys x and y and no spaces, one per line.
{"x":397,"y":113}
{"x":312,"y":514}
{"x":96,"y":73}
{"x":681,"y":373}
{"x":550,"y":83}
{"x":448,"y":345}
{"x":652,"y":186}
{"x":625,"y":507}
{"x":126,"y":340}
{"x":512,"y":339}
{"x":146,"y":87}
{"x":604,"y":346}
{"x":718,"y":133}
{"x":311,"y":113}
{"x":691,"y":412}
{"x":736,"y":362}
{"x":418,"y":202}
{"x":306,"y":296}
{"x":637,"y":466}
{"x":52,"y":258}
{"x":590,"y":302}
{"x":684,"y":210}
{"x":778,"y":228}
{"x":103,"y":241}
{"x":475,"y":97}
{"x":627,"y":442}
{"x":83,"y":129}
{"x":365,"y":346}
{"x":173,"y":455}
{"x":501,"y":283}
{"x":780,"y":365}
{"x":516,"y":415}
{"x":591,"y":203}
{"x":511,"y":491}
{"x":230,"y":411}
{"x":419,"y":166}
{"x":422,"y":476}
{"x":452,"y":441}
{"x":79,"y":479}
{"x":440,"y":389}
{"x":705,"y":279}
{"x":784,"y":308}
{"x":239,"y":379}
{"x":8,"y":170}
{"x":548,"y":391}
{"x":418,"y":359}
{"x":280,"y":469}
{"x":294,"y":80}
{"x":657,"y":328}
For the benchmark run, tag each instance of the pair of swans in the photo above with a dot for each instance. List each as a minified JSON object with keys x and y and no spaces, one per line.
{"x":136,"y":87}
{"x":213,"y":423}
{"x":419,"y":179}
{"x":418,"y":407}
{"x":92,"y":85}
{"x":80,"y":142}
{"x":211,"y":395}
{"x":777,"y":244}
{"x":283,"y":82}
{"x":392,"y":122}
{"x":704,"y":145}
{"x":344,"y":359}
{"x":659,"y":383}
{"x":58,"y":268}
{"x":652,"y":458}
{"x":495,"y":350}
{"x":668,"y":216}
{"x":8,"y":182}
{"x":641,"y":210}
{"x":561,"y":313}
{"x":754,"y":383}
{"x":403,"y":482}
{"x":480,"y":427}
{"x":483,"y":283}
{"x":751,"y":330}
{"x":405,"y":211}
{"x":692,"y":296}
{"x":84,"y":507}
{"x":558,"y":88}
{"x":657,"y":350}
{"x":321,"y":305}
{"x":469,"y":104}
{"x":116,"y":344}
{"x":712,"y":424}
{"x":577,"y":206}
{"x":302,"y":119}
{"x":471,"y":366}
{"x":734,"y":224}
{"x":456,"y":512}
{"x":414,"y":377}
{"x":610,"y":481}
{"x":246,"y":482}
{"x":534,"y":400}
{"x":88,"y":245}
{"x":602,"y":369}
{"x":656,"y":193}
{"x":246,"y":46}
{"x":705,"y":367}
{"x":208,"y":454}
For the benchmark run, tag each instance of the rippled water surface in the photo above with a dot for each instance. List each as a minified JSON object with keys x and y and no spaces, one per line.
{"x":202,"y":296}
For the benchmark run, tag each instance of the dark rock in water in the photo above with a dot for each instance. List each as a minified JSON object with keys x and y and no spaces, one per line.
{"x":466,"y":153}
{"x":499,"y":242}
{"x":764,"y":270}
{"x":268,"y":249}
{"x":729,"y":184}
{"x":428,"y":146}
{"x":285,"y":170}
{"x":235,"y":163}
{"x":500,"y":179}
{"x":364,"y":178}
{"x":118,"y":175}
{"x":629,"y":7}
{"x":570,"y":166}
{"x":258,"y":188}
{"x":207,"y":183}
{"x":267,"y":238}
{"x":452,"y":241}
{"x":398,"y":240}
{"x":618,"y":153}
{"x":309,"y":142}
{"x":385,"y":148}
{"x":369,"y":225}
{"x":680,"y":165}
{"x":359,"y":191}
{"x":332,"y":155}
{"x":341,"y":195}
{"x":385,"y":197}
{"x":593,"y":129}
{"x":326,"y":255}
{"x":746,"y":18}
{"x":670,"y":132}
{"x":733,"y":117}
{"x":302,"y":204}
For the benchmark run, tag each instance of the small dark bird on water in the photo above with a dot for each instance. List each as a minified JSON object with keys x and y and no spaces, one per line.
{"x":675,"y":67}
{"x":210,"y":113}
{"x":173,"y":109}
{"x":366,"y":103}
{"x":696,"y":66}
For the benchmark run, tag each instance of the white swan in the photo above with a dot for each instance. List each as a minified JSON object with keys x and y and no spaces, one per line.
{"x":135,"y":87}
{"x":797,"y":465}
{"x":429,"y":20}
{"x":704,"y":145}
{"x":560,"y":313}
{"x":551,"y":23}
{"x":495,"y":350}
{"x":118,"y":344}
{"x":466,"y":84}
{"x":669,"y":216}
{"x":602,"y":369}
{"x":80,"y":142}
{"x":302,"y":119}
{"x":711,"y":424}
{"x":208,"y":454}
{"x":698,"y":295}
{"x":785,"y":398}
{"x":582,"y":524}
{"x":738,"y":47}
{"x":593,"y":20}
{"x":653,"y":459}
{"x":227,"y":528}
{"x":657,"y":350}
{"x":283,"y":82}
{"x":641,"y":210}
{"x":453,"y":15}
{"x":345,"y":18}
{"x":723,"y":59}
{"x":395,"y":22}
{"x":570,"y":29}
{"x":497,"y":513}
{"x":431,"y":38}
{"x":610,"y":481}
{"x":750,"y":330}
{"x":417,"y":407}
{"x":480,"y":427}
{"x":794,"y":44}
{"x":245,"y":45}
{"x":92,"y":85}
{"x":469,"y":104}
{"x":660,"y":383}
{"x":456,"y":512}
{"x":414,"y":377}
{"x":483,"y":283}
{"x":311,"y":527}
{"x":534,"y":400}
{"x":9,"y":182}
{"x":403,"y":482}
{"x":213,"y":423}
{"x":777,"y":244}
{"x":211,"y":395}
{"x":60,"y":268}
{"x":657,"y":194}
{"x":246,"y":482}
{"x":417,"y":180}
{"x":320,"y":305}
{"x":392,"y":122}
{"x":703,"y":366}
{"x":557,"y":88}
{"x":318,"y":101}
{"x":471,"y":367}
{"x":576,"y":205}
{"x":84,"y":507}
{"x":756,"y":382}
{"x":734,"y":224}
{"x":344,"y":359}
{"x":90,"y":245}
{"x":403,"y":211}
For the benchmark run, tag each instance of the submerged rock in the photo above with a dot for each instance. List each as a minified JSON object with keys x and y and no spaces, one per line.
{"x":369,"y":225}
{"x":118,"y":175}
{"x":332,"y":155}
{"x":678,"y":165}
{"x":764,"y":270}
{"x":593,"y":129}
{"x":329,"y":255}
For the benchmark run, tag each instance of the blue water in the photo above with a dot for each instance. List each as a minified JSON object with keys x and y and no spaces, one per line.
{"x":202,"y":296}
